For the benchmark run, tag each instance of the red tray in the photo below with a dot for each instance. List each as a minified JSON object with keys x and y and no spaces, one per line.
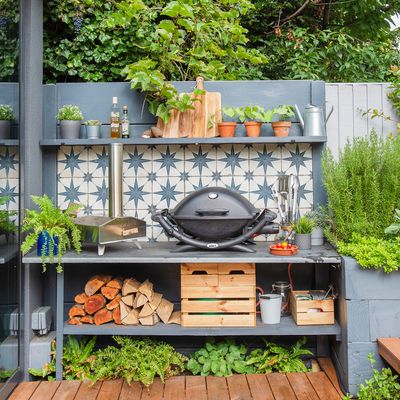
{"x":276,"y":251}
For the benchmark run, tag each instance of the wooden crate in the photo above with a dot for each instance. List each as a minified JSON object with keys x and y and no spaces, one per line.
{"x":301,"y":310}
{"x":218,"y":294}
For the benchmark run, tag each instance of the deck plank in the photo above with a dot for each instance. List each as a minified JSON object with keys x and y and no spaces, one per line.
{"x":389,"y":349}
{"x":280,"y":387}
{"x":196,"y":388}
{"x":110,"y":390}
{"x":302,"y":386}
{"x":131,"y":392}
{"x":327,"y":366}
{"x":323,"y":386}
{"x":238,"y":387}
{"x":24,"y":390}
{"x":174,"y":388}
{"x":154,"y":392}
{"x":46,"y":389}
{"x":259,"y":387}
{"x":217,"y":388}
{"x":67,"y":390}
{"x":88,"y":390}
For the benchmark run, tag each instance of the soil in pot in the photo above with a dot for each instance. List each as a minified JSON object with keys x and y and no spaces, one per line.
{"x":281,"y":128}
{"x":70,"y":129}
{"x":226,"y":129}
{"x":253,"y":128}
{"x":5,"y":129}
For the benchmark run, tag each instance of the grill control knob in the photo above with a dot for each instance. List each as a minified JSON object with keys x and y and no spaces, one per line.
{"x":212,"y":195}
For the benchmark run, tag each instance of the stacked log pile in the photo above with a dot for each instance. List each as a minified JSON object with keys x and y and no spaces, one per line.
{"x":122,"y":301}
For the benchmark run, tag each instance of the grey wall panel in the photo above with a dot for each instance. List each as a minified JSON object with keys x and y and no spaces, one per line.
{"x":358,"y":323}
{"x":384,"y":318}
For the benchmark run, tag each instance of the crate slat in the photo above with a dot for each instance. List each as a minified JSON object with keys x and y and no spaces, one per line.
{"x":228,"y":268}
{"x":237,"y":280}
{"x":206,"y":268}
{"x":193,"y":320}
{"x":199,"y":280}
{"x":235,"y":292}
{"x":188,"y":306}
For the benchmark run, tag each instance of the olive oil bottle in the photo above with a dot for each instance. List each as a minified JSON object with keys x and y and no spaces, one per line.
{"x":125,"y":123}
{"x":115,"y":119}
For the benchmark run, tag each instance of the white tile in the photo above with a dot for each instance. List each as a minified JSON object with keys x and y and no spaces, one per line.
{"x":9,"y":163}
{"x":98,"y":194}
{"x":137,"y":193}
{"x":98,"y":161}
{"x":238,"y":183}
{"x":297,"y":159}
{"x":200,"y":160}
{"x":198,"y":182}
{"x":137,"y":161}
{"x":168,"y":192}
{"x":168,"y":160}
{"x":306,"y":191}
{"x":265,"y":160}
{"x":232,"y":159}
{"x":72,"y":161}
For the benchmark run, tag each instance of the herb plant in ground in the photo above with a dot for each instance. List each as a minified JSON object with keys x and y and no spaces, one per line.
{"x":137,"y":360}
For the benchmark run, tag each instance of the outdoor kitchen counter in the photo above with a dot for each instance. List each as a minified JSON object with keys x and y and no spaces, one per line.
{"x":162,"y":252}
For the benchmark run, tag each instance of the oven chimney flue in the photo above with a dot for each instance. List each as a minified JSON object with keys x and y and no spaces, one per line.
{"x":115,"y":159}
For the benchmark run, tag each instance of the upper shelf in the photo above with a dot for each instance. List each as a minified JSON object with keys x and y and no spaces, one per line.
{"x":8,"y":252}
{"x":9,"y":142}
{"x":161,"y":141}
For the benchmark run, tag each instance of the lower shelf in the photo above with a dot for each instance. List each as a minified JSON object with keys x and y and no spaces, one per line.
{"x":287,"y":327}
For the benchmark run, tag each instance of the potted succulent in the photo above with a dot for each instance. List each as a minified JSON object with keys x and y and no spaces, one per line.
{"x":282,"y":126}
{"x":303,"y":228}
{"x":6,"y":116}
{"x":93,"y":128}
{"x":52,"y":229}
{"x":70,"y":117}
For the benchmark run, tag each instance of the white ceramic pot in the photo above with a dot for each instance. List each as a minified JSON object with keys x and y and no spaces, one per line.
{"x":317,"y":237}
{"x":270,"y":306}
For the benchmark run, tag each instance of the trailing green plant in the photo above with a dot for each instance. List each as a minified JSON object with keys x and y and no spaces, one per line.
{"x":93,"y":122}
{"x":303,"y":225}
{"x":363,"y":186}
{"x":77,"y":359}
{"x":220,"y":359}
{"x":138,"y":360}
{"x":383,"y":385}
{"x":57,"y":223}
{"x":6,"y":113}
{"x":70,"y":112}
{"x":275,"y":358}
{"x":371,"y":252}
{"x":394,"y":228}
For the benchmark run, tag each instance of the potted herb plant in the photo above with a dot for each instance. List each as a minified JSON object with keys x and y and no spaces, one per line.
{"x":52,"y":229}
{"x":6,"y":116}
{"x":70,"y":117}
{"x":303,"y":228}
{"x":282,"y":127}
{"x":93,"y":128}
{"x":227,"y":128}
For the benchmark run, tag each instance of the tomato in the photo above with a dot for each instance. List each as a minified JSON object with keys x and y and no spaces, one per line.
{"x":278,"y":245}
{"x":289,"y":245}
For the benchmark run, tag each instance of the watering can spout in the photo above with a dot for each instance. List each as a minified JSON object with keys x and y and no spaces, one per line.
{"x":299,"y":115}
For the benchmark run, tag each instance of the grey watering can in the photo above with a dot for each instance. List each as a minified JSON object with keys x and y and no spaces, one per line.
{"x":314,"y":123}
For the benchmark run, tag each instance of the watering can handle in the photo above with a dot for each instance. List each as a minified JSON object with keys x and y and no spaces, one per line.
{"x":299,"y":115}
{"x":330,"y":112}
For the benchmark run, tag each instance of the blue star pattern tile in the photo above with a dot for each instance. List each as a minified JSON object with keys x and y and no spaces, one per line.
{"x":238,"y":183}
{"x":137,"y":161}
{"x":200,"y":160}
{"x":265,"y":160}
{"x":168,"y":160}
{"x":137,"y":193}
{"x":72,"y":190}
{"x":198,"y":182}
{"x":306,"y":191}
{"x":167,"y":192}
{"x":297,"y":159}
{"x":98,"y":162}
{"x":98,"y":194}
{"x":9,"y":163}
{"x":72,"y":161}
{"x":232,"y":160}
{"x":261,"y":192}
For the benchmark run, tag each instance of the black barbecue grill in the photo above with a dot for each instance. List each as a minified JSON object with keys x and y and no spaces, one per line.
{"x":216,"y":218}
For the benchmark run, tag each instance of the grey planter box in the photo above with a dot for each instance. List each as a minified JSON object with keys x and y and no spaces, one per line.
{"x":368,"y":308}
{"x":5,"y":129}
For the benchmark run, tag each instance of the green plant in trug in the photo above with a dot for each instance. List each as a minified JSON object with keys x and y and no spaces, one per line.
{"x":93,"y":122}
{"x":362,"y":186}
{"x":303,"y":225}
{"x":6,"y":225}
{"x":57,"y":223}
{"x":6,"y":113}
{"x":284,"y":112}
{"x":77,"y":360}
{"x":394,"y":228}
{"x":219,"y":359}
{"x":69,"y":113}
{"x":138,"y":360}
{"x":275,"y":358}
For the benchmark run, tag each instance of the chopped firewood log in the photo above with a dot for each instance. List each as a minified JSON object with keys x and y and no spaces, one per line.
{"x":145,"y":311}
{"x":114,"y":303}
{"x":81,"y":298}
{"x":103,"y":316}
{"x":130,"y":286}
{"x":140,"y":300}
{"x":117,"y":316}
{"x":95,"y":303}
{"x":95,"y":283}
{"x":131,"y":318}
{"x":75,"y":321}
{"x":109,"y":292}
{"x":116,"y":283}
{"x":164,"y":310}
{"x":128,"y":300}
{"x":76,"y":311}
{"x":87,"y":319}
{"x":150,"y":320}
{"x":124,"y":309}
{"x":146,"y":288}
{"x":156,"y":300}
{"x":175,"y":318}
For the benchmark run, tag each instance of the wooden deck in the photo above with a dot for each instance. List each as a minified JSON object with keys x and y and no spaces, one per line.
{"x":295,"y":386}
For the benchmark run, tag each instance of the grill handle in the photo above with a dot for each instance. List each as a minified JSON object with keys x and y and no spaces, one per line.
{"x":212,"y":212}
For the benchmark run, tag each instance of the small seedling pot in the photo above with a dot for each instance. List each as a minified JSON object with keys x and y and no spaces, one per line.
{"x":93,"y":131}
{"x":70,"y":129}
{"x":281,"y":128}
{"x":303,"y":241}
{"x":5,"y":129}
{"x":226,"y":129}
{"x":253,"y":128}
{"x":43,"y":246}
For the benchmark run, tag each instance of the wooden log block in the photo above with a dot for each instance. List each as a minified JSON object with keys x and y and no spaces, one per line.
{"x":95,"y":303}
{"x":114,"y":303}
{"x":128,"y":300}
{"x":175,"y":318}
{"x":95,"y":283}
{"x":140,"y":300}
{"x":109,"y":292}
{"x":75,"y":321}
{"x":146,"y":311}
{"x":124,"y":310}
{"x":76,"y":311}
{"x":116,"y":313}
{"x":80,"y":298}
{"x":116,"y":283}
{"x":164,"y":310}
{"x":103,"y":316}
{"x":150,"y":320}
{"x":131,"y":318}
{"x":87,"y":319}
{"x":130,"y":286}
{"x":156,"y":300}
{"x":146,"y":288}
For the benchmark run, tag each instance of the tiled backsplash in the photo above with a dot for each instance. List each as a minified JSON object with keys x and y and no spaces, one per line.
{"x":157,"y":177}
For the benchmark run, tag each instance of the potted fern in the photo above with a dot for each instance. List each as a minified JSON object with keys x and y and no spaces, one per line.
{"x":303,"y":228}
{"x":6,"y":116}
{"x":70,"y":118}
{"x":282,"y":126}
{"x":52,"y":229}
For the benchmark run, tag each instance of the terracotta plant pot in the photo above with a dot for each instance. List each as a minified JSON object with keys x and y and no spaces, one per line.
{"x":281,"y":128}
{"x":226,"y":129}
{"x":253,"y":128}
